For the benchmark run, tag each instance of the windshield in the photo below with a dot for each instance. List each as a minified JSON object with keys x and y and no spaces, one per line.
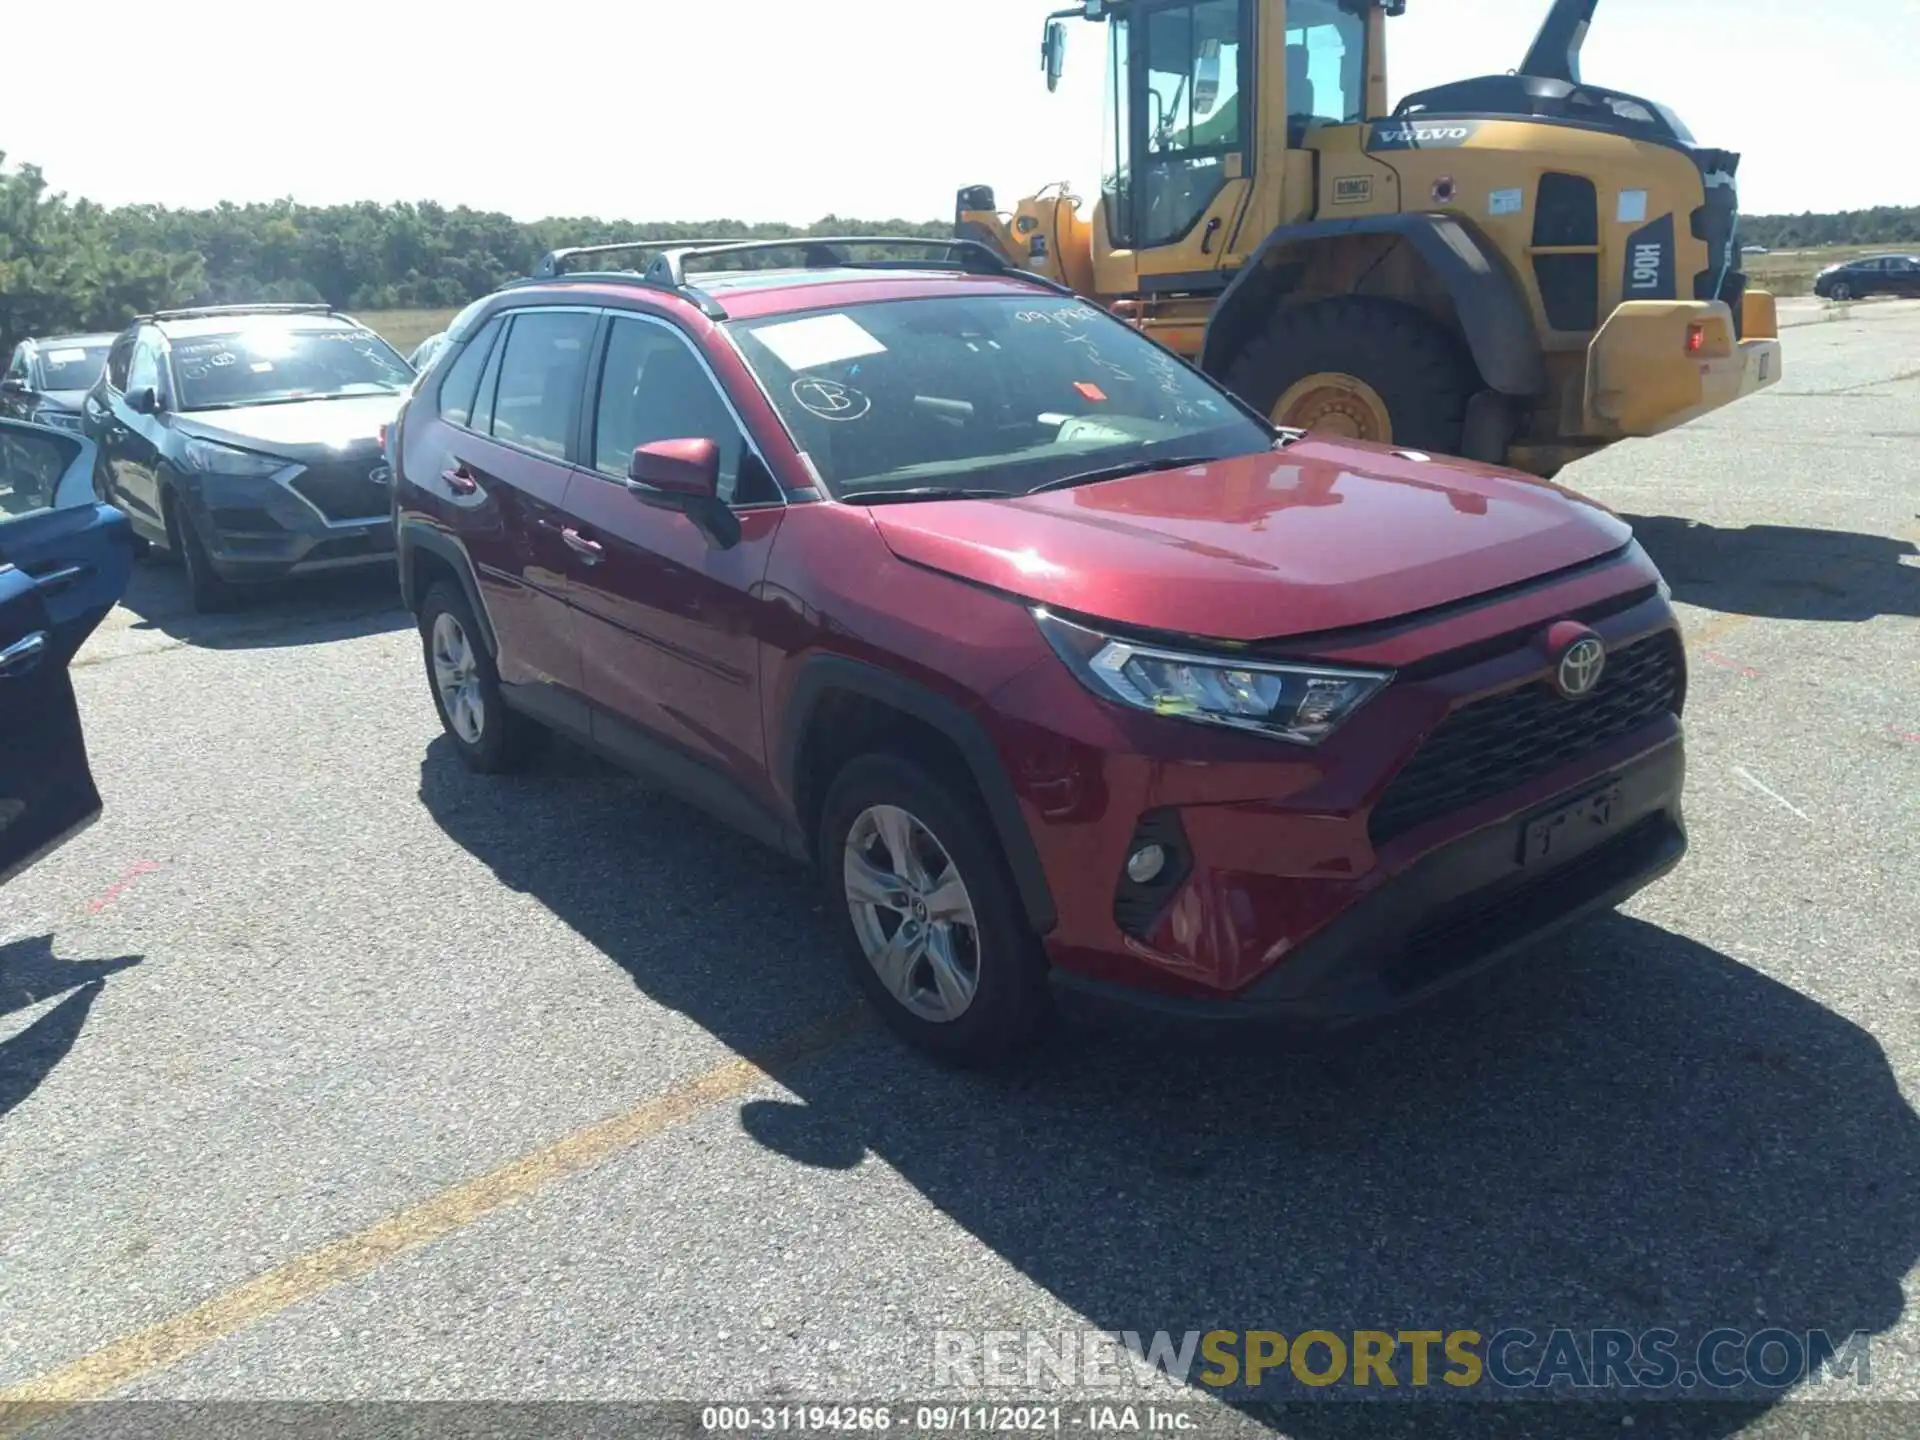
{"x":996,"y":392}
{"x":275,"y":363}
{"x":72,"y":367}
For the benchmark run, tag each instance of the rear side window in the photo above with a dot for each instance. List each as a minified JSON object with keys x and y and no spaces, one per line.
{"x":542,"y":369}
{"x":463,"y":379}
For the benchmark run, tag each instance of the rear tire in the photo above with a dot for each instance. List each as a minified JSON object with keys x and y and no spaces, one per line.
{"x":211,"y":594}
{"x":1415,"y":368}
{"x":968,"y":983}
{"x":492,"y":738}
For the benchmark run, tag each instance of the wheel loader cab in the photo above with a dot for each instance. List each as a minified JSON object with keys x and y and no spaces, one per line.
{"x":1195,"y":105}
{"x":1521,"y":268}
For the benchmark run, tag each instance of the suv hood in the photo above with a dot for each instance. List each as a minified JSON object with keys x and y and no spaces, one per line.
{"x":297,"y":425}
{"x":1321,"y":536}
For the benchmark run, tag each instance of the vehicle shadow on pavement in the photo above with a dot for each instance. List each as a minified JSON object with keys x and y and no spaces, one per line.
{"x":1628,"y":1130}
{"x":1783,"y":572}
{"x":345,"y":605}
{"x":29,"y":974}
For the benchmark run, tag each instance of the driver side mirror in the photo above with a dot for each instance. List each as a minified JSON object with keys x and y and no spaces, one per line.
{"x":684,"y":475}
{"x":14,"y":385}
{"x":144,"y":401}
{"x":1053,"y":53}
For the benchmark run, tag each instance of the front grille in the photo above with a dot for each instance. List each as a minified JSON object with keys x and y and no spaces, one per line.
{"x":346,"y":491}
{"x":1489,"y":747}
{"x":1567,"y":212}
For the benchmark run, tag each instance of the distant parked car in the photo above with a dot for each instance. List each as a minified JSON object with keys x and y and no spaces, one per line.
{"x":64,"y":562}
{"x":1869,"y":275}
{"x":246,"y":440}
{"x":49,"y":376}
{"x":424,"y":352}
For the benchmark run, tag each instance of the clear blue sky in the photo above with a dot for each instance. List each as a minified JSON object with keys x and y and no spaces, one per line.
{"x":787,"y":110}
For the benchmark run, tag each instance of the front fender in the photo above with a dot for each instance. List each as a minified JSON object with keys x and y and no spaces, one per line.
{"x":1493,"y":313}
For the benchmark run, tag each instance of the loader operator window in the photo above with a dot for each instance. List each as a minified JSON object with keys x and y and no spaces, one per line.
{"x":1175,"y":111}
{"x":1326,"y":66}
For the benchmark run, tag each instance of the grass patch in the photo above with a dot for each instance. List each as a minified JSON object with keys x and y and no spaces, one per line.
{"x":404,"y":329}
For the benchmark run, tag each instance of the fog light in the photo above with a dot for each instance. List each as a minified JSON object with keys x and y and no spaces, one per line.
{"x":1146,"y":863}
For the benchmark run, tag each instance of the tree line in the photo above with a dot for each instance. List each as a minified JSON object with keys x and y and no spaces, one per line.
{"x":68,"y":265}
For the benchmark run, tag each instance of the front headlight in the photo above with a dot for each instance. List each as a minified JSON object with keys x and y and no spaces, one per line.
{"x":211,"y":459}
{"x":1302,"y":704}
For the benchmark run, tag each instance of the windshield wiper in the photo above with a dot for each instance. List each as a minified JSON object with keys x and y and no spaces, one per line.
{"x":920,"y":492}
{"x":1121,"y":472}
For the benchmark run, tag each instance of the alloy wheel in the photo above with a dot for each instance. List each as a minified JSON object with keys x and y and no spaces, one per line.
{"x":456,"y":675}
{"x":912,"y":914}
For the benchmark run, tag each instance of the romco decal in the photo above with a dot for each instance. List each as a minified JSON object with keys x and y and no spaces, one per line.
{"x":1421,"y":134}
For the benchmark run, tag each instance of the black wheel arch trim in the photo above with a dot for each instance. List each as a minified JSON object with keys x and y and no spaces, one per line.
{"x":1493,"y":313}
{"x":414,"y":535}
{"x":824,"y":673}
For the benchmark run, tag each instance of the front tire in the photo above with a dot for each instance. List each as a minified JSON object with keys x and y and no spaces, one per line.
{"x":492,"y":739}
{"x":1361,"y":368}
{"x":1841,"y":292}
{"x":211,"y":593}
{"x":936,"y":934}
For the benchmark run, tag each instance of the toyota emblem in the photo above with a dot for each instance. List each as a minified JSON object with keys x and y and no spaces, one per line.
{"x":1580,"y":668}
{"x":381,"y":475}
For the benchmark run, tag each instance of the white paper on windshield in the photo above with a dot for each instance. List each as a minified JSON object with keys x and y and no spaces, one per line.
{"x":67,"y":357}
{"x":818,"y":340}
{"x":261,"y":367}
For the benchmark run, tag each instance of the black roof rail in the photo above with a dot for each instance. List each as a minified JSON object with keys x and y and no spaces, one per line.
{"x":667,"y":270}
{"x":552,"y":262}
{"x":970,"y":256}
{"x":203,"y":312}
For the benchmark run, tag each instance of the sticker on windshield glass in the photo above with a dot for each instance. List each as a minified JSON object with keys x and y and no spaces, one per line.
{"x":67,"y":357}
{"x":1507,"y":202}
{"x":1090,"y":390}
{"x":261,"y":367}
{"x":829,"y":399}
{"x":818,"y":340}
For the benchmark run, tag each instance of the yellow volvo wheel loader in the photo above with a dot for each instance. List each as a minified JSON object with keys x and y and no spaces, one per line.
{"x":1520,"y":268}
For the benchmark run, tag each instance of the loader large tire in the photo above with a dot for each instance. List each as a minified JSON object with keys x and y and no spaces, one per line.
{"x":1358,"y":367}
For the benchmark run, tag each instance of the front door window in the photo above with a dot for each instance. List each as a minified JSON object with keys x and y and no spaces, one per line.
{"x":1186,"y":113}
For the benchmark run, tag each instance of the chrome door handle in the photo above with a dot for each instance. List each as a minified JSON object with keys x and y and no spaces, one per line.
{"x":588,"y":550}
{"x":55,"y":579}
{"x":21,"y":656}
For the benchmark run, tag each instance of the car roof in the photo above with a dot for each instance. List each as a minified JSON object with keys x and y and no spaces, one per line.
{"x":50,"y":342}
{"x":228,"y":324}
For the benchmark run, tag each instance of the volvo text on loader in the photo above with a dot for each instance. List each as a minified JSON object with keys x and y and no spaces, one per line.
{"x":1521,"y":268}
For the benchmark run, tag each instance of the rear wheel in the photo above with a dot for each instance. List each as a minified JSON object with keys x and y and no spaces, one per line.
{"x":1359,"y":368}
{"x":938,"y":938}
{"x":490,"y":737}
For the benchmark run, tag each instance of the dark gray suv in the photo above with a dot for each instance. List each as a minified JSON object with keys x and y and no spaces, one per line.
{"x":247,"y":440}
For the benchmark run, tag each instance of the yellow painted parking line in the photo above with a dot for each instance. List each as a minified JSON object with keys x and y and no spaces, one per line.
{"x":127,"y":1359}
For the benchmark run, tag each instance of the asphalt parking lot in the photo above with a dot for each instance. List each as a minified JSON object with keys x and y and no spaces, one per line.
{"x":329,"y":1071}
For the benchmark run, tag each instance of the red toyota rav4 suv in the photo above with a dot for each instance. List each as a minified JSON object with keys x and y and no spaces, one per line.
{"x":1075,"y":679}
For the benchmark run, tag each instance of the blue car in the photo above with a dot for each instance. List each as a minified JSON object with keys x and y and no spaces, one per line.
{"x":65,"y":560}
